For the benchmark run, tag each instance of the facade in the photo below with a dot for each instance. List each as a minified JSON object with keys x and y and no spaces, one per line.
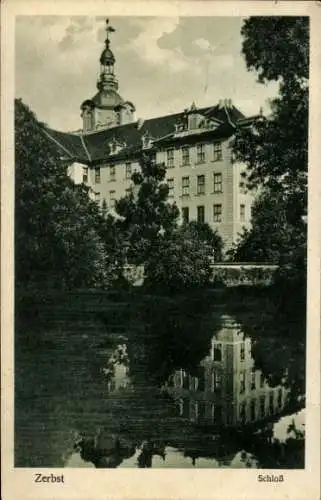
{"x":194,"y":144}
{"x":228,"y":391}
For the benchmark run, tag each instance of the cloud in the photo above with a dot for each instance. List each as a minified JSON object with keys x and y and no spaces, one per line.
{"x":146,"y":44}
{"x":202,"y":44}
{"x":162,"y":64}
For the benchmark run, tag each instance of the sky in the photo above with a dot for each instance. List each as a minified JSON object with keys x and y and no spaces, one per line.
{"x":163,"y":64}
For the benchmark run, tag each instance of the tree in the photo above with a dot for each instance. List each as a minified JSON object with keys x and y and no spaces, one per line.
{"x":56,"y":239}
{"x":204,"y":234}
{"x":275,"y":149}
{"x":271,"y":237}
{"x":179,"y":262}
{"x":145,"y":214}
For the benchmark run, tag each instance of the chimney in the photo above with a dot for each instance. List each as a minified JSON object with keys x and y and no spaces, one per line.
{"x":140,"y":123}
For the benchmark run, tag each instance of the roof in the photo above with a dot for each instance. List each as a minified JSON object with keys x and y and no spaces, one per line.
{"x":93,"y":147}
{"x":107,"y":99}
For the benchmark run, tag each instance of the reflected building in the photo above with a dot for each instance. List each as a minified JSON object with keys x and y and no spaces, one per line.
{"x":227,"y":389}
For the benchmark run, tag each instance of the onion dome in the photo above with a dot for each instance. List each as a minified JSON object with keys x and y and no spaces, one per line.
{"x":107,"y":99}
{"x":107,"y":58}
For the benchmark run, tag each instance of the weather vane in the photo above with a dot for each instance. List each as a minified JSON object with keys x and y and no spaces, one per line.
{"x":109,"y":29}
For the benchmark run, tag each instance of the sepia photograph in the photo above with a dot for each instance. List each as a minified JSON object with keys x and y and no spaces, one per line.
{"x":160,"y":244}
{"x":161,"y":171}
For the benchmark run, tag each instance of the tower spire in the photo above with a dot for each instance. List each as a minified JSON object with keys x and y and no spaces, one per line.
{"x":106,"y":108}
{"x":107,"y":61}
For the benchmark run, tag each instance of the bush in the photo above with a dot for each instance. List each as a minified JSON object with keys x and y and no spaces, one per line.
{"x":178,"y":264}
{"x":235,"y":276}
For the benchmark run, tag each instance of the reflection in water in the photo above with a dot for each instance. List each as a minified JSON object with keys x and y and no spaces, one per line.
{"x":176,"y":389}
{"x":228,"y":390}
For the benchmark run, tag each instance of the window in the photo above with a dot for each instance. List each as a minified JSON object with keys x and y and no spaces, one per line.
{"x":112,"y":199}
{"x":201,"y":184}
{"x":253,"y":385}
{"x":128,"y":191}
{"x":201,"y":214}
{"x":97,"y":175}
{"x":261,"y":380}
{"x":201,"y":410}
{"x":242,"y":351}
{"x":280,"y":398}
{"x":218,"y":414}
{"x":170,"y":158}
{"x":112,"y":173}
{"x":200,"y":153}
{"x":217,"y":151}
{"x":170,"y":184}
{"x":185,"y":155}
{"x":128,"y":170}
{"x":85,"y":175}
{"x":186,"y":408}
{"x":242,"y":212}
{"x":217,"y":352}
{"x":253,"y":409}
{"x":194,"y":383}
{"x":216,"y":381}
{"x":271,"y":401}
{"x":201,"y":379}
{"x":217,"y":183}
{"x":242,"y":382}
{"x":194,"y":410}
{"x":87,"y":120}
{"x":97,"y":197}
{"x":242,"y":412}
{"x":185,"y":381}
{"x":185,"y":214}
{"x":185,"y":186}
{"x":217,"y":213}
{"x":262,"y":406}
{"x":192,"y":121}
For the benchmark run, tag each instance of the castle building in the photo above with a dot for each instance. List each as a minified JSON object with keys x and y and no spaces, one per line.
{"x":195,"y":145}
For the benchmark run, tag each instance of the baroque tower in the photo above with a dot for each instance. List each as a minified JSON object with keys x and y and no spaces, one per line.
{"x":107,"y":108}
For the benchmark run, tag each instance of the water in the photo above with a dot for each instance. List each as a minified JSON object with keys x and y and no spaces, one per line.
{"x":160,"y":383}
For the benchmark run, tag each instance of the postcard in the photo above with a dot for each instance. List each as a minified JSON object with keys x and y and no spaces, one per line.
{"x":161,"y":250}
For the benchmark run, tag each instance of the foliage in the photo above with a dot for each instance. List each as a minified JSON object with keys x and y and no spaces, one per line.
{"x":273,"y":237}
{"x":204,"y":234}
{"x":145,"y":214}
{"x":179,"y":262}
{"x":286,"y":56}
{"x":253,"y":276}
{"x":275,"y":150}
{"x":56,"y":239}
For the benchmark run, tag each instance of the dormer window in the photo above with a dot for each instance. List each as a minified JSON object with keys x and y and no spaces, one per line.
{"x":146,"y":141}
{"x":193,"y":121}
{"x":180,"y":126}
{"x":115,"y":146}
